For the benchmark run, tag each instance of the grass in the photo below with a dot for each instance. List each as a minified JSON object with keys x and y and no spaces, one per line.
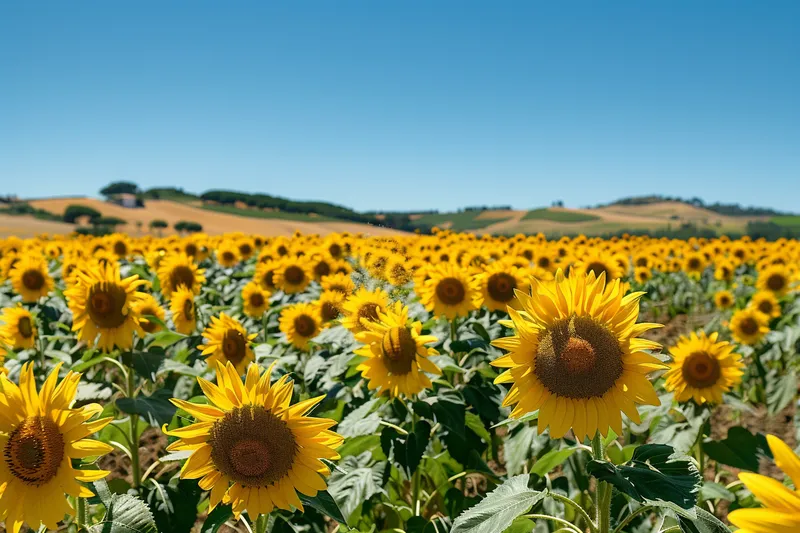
{"x":558,"y":216}
{"x":789,"y":221}
{"x":255,"y":213}
{"x":458,"y":221}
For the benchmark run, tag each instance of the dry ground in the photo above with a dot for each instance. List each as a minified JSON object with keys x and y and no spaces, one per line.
{"x":214,"y":223}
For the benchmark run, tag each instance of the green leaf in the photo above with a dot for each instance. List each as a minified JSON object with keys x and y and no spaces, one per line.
{"x":521,"y":525}
{"x":499,"y":508}
{"x":466,"y":346}
{"x":654,"y":473}
{"x":781,"y":390}
{"x":478,"y":328}
{"x":360,"y":421}
{"x":166,"y":338}
{"x":355,"y":481}
{"x":156,"y":409}
{"x":325,"y":504}
{"x":475,"y":423}
{"x":146,"y":364}
{"x":550,"y":460}
{"x":124,"y":514}
{"x":520,"y":446}
{"x":217,"y":518}
{"x":715,"y":491}
{"x":450,"y":411}
{"x":704,"y":523}
{"x":408,"y":449}
{"x":418,"y":524}
{"x":740,"y":449}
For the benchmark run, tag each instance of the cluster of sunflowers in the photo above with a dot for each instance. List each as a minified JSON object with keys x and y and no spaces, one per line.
{"x":387,"y":383}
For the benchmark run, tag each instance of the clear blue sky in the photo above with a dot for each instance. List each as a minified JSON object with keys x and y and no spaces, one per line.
{"x":405,"y":104}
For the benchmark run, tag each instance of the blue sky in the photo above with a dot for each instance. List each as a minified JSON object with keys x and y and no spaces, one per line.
{"x":412,"y":104}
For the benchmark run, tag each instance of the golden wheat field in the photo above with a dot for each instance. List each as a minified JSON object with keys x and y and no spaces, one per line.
{"x":399,"y":383}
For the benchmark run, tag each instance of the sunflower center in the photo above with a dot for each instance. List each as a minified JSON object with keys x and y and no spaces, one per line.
{"x":294,"y":275}
{"x":578,"y":358}
{"x":34,"y":450}
{"x":305,"y":326}
{"x":700,"y":370}
{"x":330,"y":311}
{"x":528,"y":254}
{"x":725,"y":300}
{"x":182,"y":275}
{"x":749,"y":326}
{"x":322,"y":269}
{"x":501,"y":287}
{"x":228,"y":257}
{"x":245,"y":249}
{"x":147,"y":325}
{"x":543,"y":262}
{"x":256,"y":299}
{"x":776,"y":282}
{"x":335,"y":250}
{"x":597,"y":268}
{"x":765,"y":306}
{"x":188,"y":309}
{"x":368,"y":311}
{"x":641,"y":261}
{"x":190,"y":249}
{"x":268,"y":279}
{"x":338,"y":288}
{"x":234,"y":346}
{"x":120,"y":248}
{"x":33,"y":280}
{"x":399,"y":350}
{"x":106,"y":303}
{"x":252,"y":446}
{"x":450,"y":291}
{"x":399,"y":273}
{"x":694,"y":263}
{"x":25,"y":327}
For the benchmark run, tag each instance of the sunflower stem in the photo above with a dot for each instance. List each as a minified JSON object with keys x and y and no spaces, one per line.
{"x":136,"y":474}
{"x":453,"y":331}
{"x":81,"y":514}
{"x":263,"y":523}
{"x":577,"y":507}
{"x":415,"y":481}
{"x":603,"y":492}
{"x":560,"y":521}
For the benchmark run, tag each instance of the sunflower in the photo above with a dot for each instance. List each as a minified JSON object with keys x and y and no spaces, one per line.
{"x":102,"y":305}
{"x":321,"y":266}
{"x":694,"y":263}
{"x":246,"y":248}
{"x":178,"y":269}
{"x":147,"y":305}
{"x":450,"y":292}
{"x":397,"y":271}
{"x":119,"y":245}
{"x":301,"y":323}
{"x":767,"y":303}
{"x":363,"y":304}
{"x":703,"y":369}
{"x":598,"y":263}
{"x":748,"y":326}
{"x":498,"y":282}
{"x":397,"y":357}
{"x":227,"y":254}
{"x":250,"y":447}
{"x":576,"y":356}
{"x":642,"y":274}
{"x":330,"y":306}
{"x":30,"y":278}
{"x":724,"y":299}
{"x":41,"y":438}
{"x":227,"y":340}
{"x":338,"y":282}
{"x":184,"y":312}
{"x":293,"y":275}
{"x":775,"y":278}
{"x":265,"y":275}
{"x":724,"y":270}
{"x":782,"y":512}
{"x":19,"y":327}
{"x":255,"y":300}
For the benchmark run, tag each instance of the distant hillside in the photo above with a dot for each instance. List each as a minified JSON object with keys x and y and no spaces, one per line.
{"x":734,"y":210}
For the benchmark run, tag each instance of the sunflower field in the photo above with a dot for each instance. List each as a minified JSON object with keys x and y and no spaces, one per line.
{"x":421,"y":383}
